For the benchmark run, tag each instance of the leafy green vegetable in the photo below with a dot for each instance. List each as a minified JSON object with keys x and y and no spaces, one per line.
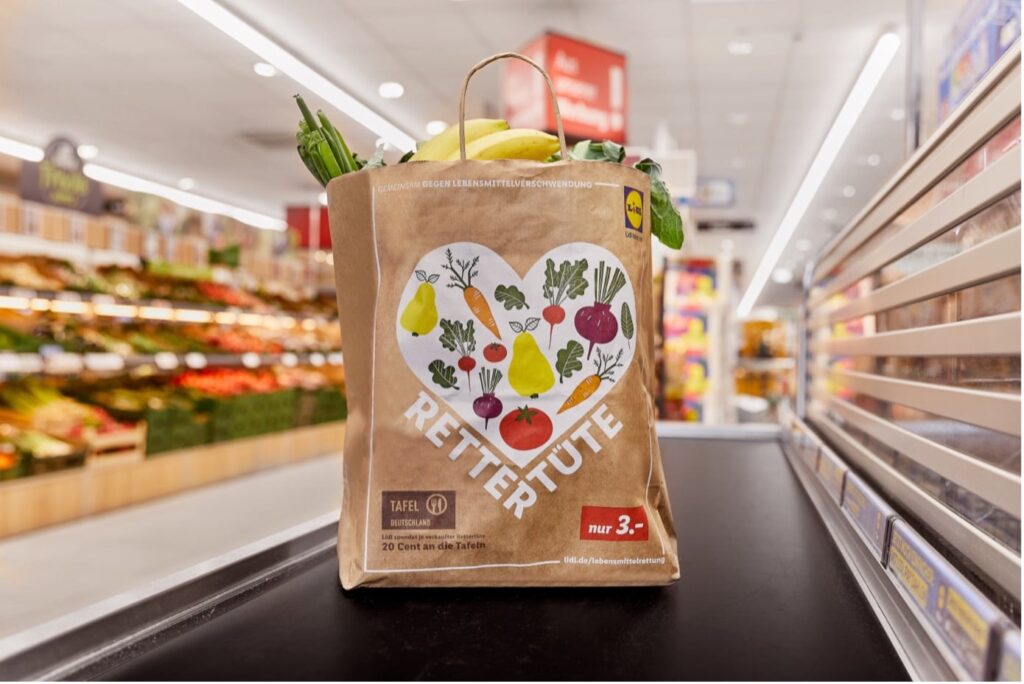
{"x":588,"y":150}
{"x":511,"y":297}
{"x":666,"y":223}
{"x":626,"y":321}
{"x":443,"y":375}
{"x":377,"y":160}
{"x":458,"y":337}
{"x":568,"y":360}
{"x":321,"y":147}
{"x":407,"y":156}
{"x":566,"y":281}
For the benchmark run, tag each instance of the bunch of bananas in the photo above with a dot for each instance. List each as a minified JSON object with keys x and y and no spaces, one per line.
{"x":488,"y":139}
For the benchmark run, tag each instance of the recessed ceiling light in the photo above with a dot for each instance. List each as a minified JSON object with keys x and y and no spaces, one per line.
{"x":874,"y":160}
{"x":897,"y":114}
{"x":803,"y":245}
{"x":322,"y":199}
{"x":186,"y":183}
{"x":830,"y":214}
{"x":291,"y":66}
{"x":436,"y":127}
{"x":740,"y":47}
{"x":390,"y":90}
{"x":88,"y":151}
{"x":263,"y":69}
{"x":782,"y":276}
{"x":738,"y":118}
{"x":849,"y":191}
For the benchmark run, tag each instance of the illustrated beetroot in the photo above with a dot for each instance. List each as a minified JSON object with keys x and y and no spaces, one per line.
{"x":488,"y":406}
{"x":597,"y":324}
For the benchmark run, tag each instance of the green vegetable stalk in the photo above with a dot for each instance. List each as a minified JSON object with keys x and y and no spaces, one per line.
{"x":321,"y":147}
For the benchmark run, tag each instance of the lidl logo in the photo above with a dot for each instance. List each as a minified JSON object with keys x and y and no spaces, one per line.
{"x":634,"y":208}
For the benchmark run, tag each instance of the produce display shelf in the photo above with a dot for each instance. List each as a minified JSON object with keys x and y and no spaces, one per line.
{"x":773,"y":364}
{"x":67,"y":363}
{"x":78,"y":303}
{"x":104,"y":484}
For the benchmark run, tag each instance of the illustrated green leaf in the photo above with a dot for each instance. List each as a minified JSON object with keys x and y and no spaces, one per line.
{"x":443,"y":375}
{"x":458,"y":337}
{"x":568,"y":360}
{"x":626,"y":321}
{"x":511,"y":297}
{"x":575,"y":282}
{"x":666,"y":223}
{"x":531,"y":324}
{"x":552,"y":278}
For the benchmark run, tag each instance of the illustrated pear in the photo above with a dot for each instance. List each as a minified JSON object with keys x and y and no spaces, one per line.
{"x":420,"y":314}
{"x":529,"y":373}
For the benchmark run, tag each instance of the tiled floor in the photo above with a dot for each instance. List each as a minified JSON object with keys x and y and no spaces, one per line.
{"x":50,"y":573}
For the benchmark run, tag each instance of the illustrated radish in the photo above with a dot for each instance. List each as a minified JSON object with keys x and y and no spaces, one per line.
{"x":459,"y":337}
{"x":597,"y":324}
{"x":566,"y":281}
{"x":487,"y":405}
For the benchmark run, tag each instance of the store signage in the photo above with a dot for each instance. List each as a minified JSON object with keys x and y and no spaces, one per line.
{"x":312,"y":224}
{"x":725,"y":224}
{"x":58,"y":180}
{"x":715,"y":193}
{"x":590,"y":82}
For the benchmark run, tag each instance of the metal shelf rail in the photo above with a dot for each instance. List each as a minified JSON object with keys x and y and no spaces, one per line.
{"x":910,"y":373}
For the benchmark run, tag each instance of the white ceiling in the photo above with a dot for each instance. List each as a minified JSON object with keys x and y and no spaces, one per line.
{"x":165,"y":95}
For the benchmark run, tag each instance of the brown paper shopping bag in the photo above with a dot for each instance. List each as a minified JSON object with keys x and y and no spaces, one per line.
{"x":497,"y":320}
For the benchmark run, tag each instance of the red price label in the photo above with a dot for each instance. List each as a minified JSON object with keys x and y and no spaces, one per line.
{"x":608,"y":523}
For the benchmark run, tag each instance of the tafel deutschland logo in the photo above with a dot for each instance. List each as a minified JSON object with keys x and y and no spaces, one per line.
{"x":633,"y":208}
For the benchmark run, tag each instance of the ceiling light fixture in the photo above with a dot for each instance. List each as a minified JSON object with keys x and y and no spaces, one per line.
{"x":740,"y":47}
{"x":186,"y":183}
{"x":390,"y":90}
{"x":869,"y":78}
{"x":291,"y":66}
{"x":436,"y":127}
{"x":186,"y":199}
{"x":874,"y":160}
{"x":849,"y":191}
{"x":265,"y":70}
{"x":897,"y":114}
{"x":88,"y":151}
{"x":21,"y":150}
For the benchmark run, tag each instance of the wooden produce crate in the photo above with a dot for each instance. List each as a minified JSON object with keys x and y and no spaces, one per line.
{"x":123,"y":446}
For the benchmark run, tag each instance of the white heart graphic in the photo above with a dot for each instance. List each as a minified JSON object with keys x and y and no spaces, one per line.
{"x":420,"y":330}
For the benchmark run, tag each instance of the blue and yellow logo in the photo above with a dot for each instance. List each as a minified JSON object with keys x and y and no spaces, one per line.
{"x":633,"y":208}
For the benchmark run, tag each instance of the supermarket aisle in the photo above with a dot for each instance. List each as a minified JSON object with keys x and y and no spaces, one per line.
{"x":52,"y":573}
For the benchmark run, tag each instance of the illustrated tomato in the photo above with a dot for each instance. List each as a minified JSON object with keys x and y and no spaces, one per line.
{"x":495,"y":352}
{"x":525,"y":428}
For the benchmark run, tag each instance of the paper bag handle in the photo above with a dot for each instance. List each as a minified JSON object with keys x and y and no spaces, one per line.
{"x":547,"y":79}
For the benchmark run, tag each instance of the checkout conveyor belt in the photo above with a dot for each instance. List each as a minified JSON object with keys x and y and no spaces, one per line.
{"x":764,"y":594}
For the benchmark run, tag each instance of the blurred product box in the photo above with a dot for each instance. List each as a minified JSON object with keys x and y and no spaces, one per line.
{"x":190,"y":251}
{"x":31,"y":224}
{"x":984,"y":31}
{"x":10,"y":214}
{"x":962,"y":618}
{"x":56,"y":225}
{"x":134,"y":240}
{"x":96,"y":233}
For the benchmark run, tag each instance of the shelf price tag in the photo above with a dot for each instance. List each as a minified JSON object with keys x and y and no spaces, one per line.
{"x":195,"y":360}
{"x":64,"y":364}
{"x":165,"y":360}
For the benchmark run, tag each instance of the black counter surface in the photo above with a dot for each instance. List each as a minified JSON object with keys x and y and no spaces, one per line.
{"x":764,"y":594}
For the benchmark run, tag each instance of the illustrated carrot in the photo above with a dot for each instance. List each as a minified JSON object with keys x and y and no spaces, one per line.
{"x":606,"y":365}
{"x":461,"y":274}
